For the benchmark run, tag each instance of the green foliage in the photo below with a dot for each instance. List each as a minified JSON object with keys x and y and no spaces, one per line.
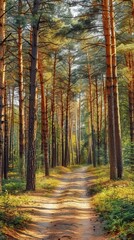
{"x":13,"y":185}
{"x":11,"y":215}
{"x":2,"y":236}
{"x":114,"y":200}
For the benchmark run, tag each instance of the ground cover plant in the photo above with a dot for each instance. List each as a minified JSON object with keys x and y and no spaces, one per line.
{"x":14,"y":198}
{"x":114,"y":200}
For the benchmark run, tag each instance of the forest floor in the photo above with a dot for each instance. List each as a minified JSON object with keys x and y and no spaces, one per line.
{"x":66,"y":214}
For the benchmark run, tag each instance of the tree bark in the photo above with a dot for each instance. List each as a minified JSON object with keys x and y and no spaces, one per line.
{"x":44,"y":120}
{"x":53,"y":113}
{"x":98,"y":129}
{"x":6,"y":149}
{"x":67,"y":112}
{"x":30,"y":185}
{"x":2,"y":79}
{"x":116,"y":100}
{"x":21,"y":97}
{"x":109,"y":85}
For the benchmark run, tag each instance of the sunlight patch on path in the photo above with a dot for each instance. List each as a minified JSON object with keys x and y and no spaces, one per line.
{"x":67,"y":214}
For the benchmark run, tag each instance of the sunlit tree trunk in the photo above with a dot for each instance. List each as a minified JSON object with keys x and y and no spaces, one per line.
{"x":116,"y":100}
{"x":98,"y":129}
{"x":67,"y":111}
{"x":53,"y":113}
{"x":30,"y":185}
{"x":109,"y":85}
{"x":62,"y":130}
{"x":44,"y":120}
{"x":2,"y":79}
{"x":79,"y":130}
{"x":92,"y":153}
{"x":105,"y":123}
{"x":6,"y":135}
{"x":21,"y":97}
{"x":11,"y":146}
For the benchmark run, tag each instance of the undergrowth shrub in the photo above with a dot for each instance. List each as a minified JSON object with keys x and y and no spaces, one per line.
{"x":114,"y":200}
{"x":13,"y":185}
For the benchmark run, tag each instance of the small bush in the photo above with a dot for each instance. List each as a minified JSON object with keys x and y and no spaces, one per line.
{"x":114,"y":200}
{"x":13,"y":186}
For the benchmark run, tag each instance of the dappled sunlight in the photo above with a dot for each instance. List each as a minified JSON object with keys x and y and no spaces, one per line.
{"x":68,"y":214}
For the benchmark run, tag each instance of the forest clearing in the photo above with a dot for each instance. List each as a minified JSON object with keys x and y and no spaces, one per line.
{"x":66,"y":119}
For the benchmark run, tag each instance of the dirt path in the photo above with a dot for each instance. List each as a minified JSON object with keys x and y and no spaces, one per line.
{"x":66,"y":215}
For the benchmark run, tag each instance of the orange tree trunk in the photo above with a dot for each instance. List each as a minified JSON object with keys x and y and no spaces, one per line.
{"x":67,"y":112}
{"x":53,"y":113}
{"x":109,"y":85}
{"x":116,"y":100}
{"x":62,"y":128}
{"x":21,"y":97}
{"x":43,"y":116}
{"x":92,"y":152}
{"x":2,"y":79}
{"x":98,"y":128}
{"x":6,"y":152}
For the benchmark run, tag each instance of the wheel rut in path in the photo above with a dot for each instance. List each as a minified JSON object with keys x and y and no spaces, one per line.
{"x":68,"y":214}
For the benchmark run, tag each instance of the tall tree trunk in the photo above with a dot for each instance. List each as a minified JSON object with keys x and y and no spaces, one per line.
{"x":21,"y":97}
{"x":98,"y":129}
{"x":105,"y":123}
{"x":79,"y":130}
{"x":30,"y":185}
{"x":110,"y":94}
{"x":6,"y":149}
{"x":44,"y":119}
{"x":2,"y":79}
{"x":93,"y":153}
{"x":116,"y":100}
{"x":62,"y":130}
{"x":67,"y":111}
{"x":11,"y":147}
{"x":53,"y":113}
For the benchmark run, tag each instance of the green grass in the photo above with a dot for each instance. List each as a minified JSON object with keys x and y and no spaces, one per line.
{"x":114,"y":200}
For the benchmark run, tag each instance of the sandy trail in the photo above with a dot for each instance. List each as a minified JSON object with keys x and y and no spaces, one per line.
{"x":66,"y":215}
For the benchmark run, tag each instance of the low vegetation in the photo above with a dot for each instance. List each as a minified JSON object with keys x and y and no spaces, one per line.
{"x":14,"y":197}
{"x":114,"y":200}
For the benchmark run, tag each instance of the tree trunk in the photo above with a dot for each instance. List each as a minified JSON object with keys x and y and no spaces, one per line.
{"x":105,"y":123}
{"x":62,"y":130}
{"x":6,"y":149}
{"x":116,"y":100}
{"x":30,"y":185}
{"x":98,"y":129}
{"x":21,"y":97}
{"x":79,"y":130}
{"x":109,"y":85}
{"x":67,"y":112}
{"x":92,"y":152}
{"x":2,"y":79}
{"x":53,"y":113}
{"x":43,"y":116}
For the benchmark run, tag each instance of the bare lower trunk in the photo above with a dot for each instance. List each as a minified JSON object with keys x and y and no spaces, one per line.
{"x":116,"y":100}
{"x":2,"y":79}
{"x":43,"y":116}
{"x":30,"y":185}
{"x":6,"y":149}
{"x":53,"y":113}
{"x":110,"y":94}
{"x":21,"y":98}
